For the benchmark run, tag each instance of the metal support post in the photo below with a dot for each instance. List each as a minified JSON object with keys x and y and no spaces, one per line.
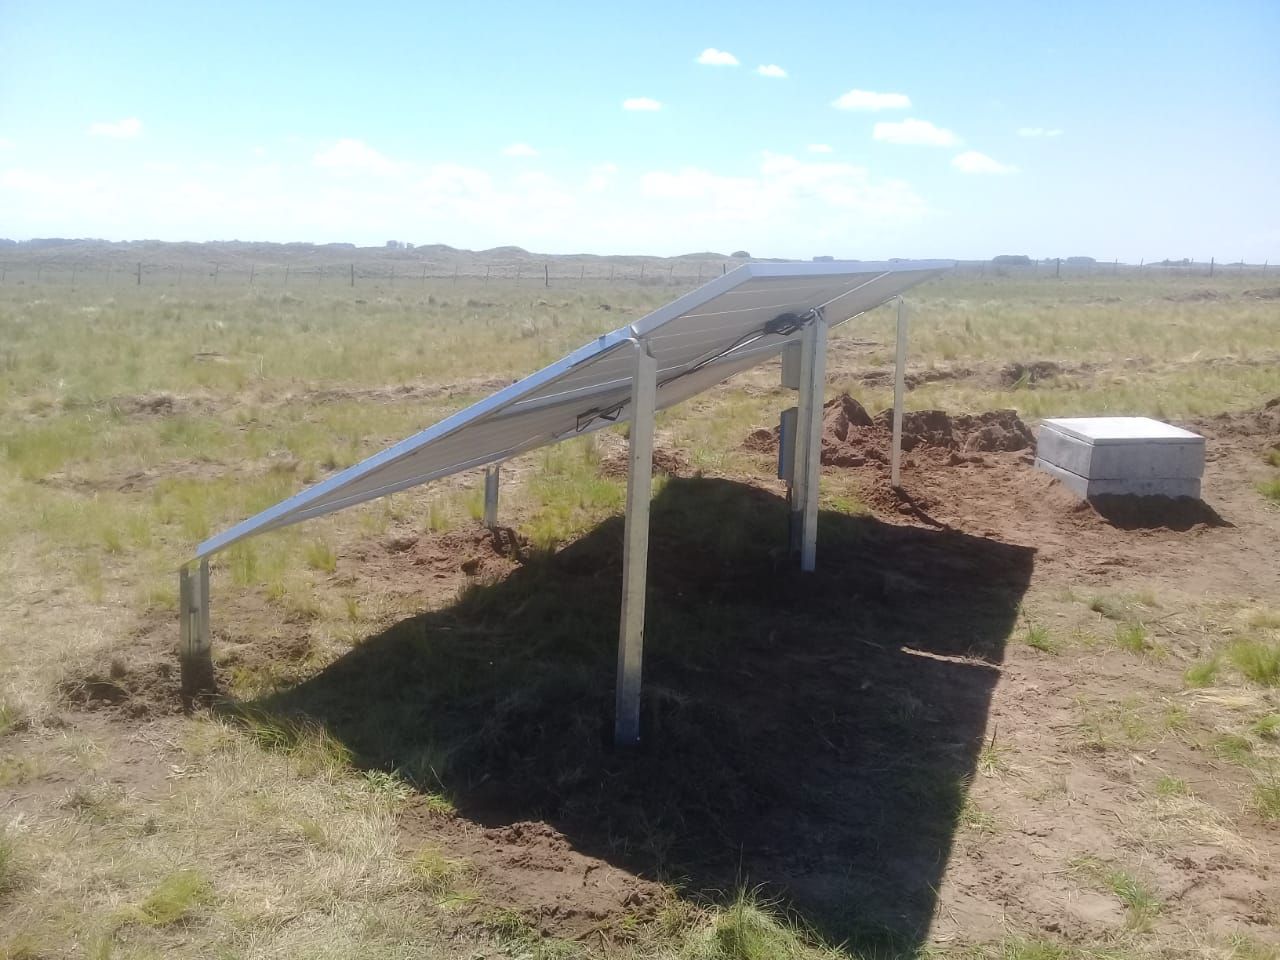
{"x":800,"y":453}
{"x":813,"y":384}
{"x":899,"y":382}
{"x":635,"y":549}
{"x":194,"y":647}
{"x":491,"y":496}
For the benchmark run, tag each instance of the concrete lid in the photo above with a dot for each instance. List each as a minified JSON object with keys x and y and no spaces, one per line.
{"x":1105,"y":430}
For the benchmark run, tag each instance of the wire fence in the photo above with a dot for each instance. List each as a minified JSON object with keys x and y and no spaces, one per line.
{"x":533,"y":274}
{"x":355,"y":275}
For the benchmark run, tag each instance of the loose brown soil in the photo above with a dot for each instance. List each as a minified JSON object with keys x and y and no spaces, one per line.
{"x":666,"y":461}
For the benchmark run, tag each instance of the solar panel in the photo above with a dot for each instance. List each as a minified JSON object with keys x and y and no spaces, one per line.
{"x":698,"y":340}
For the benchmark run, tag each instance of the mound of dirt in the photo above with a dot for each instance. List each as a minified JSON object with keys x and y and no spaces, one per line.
{"x":851,"y":436}
{"x":1264,"y":293}
{"x":1263,"y":422}
{"x":671,"y":462}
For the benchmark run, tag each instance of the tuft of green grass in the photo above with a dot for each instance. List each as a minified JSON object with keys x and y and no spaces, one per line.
{"x":1171,"y":786}
{"x":992,"y":759}
{"x":1202,"y":674}
{"x":438,"y":875}
{"x":1132,"y":637}
{"x":174,"y":899}
{"x":1038,"y":636}
{"x":1233,"y":748}
{"x":1268,"y":727}
{"x":1266,"y":797}
{"x":1113,"y":608}
{"x":1257,"y":660}
{"x":320,"y":556}
{"x":748,"y":929}
{"x":438,"y":518}
{"x":1270,"y":489}
{"x":1142,"y":905}
{"x":312,"y":747}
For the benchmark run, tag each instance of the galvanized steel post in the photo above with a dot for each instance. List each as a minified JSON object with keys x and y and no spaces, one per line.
{"x":899,"y":385}
{"x":491,"y":496}
{"x":812,"y":386}
{"x":800,"y":465}
{"x":194,"y":645}
{"x":635,"y":549}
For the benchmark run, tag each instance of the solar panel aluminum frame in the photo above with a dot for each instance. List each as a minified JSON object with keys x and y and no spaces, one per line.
{"x":525,"y":395}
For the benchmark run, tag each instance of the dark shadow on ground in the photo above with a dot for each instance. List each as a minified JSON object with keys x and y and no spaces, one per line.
{"x":813,"y":734}
{"x":1156,"y":512}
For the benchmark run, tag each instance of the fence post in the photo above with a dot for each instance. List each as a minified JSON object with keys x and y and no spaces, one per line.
{"x":1211,"y":266}
{"x":1057,"y":271}
{"x":286,"y":276}
{"x":611,"y":273}
{"x":546,"y":275}
{"x":582,"y":273}
{"x":353,"y":274}
{"x":486,"y":272}
{"x":518,"y":271}
{"x":642,"y":273}
{"x":139,"y":273}
{"x":252,"y":272}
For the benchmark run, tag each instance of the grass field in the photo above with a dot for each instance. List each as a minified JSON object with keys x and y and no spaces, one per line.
{"x":136,"y":421}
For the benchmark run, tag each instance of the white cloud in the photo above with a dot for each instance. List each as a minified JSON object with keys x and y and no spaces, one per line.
{"x":784,"y":187}
{"x":641,"y":103}
{"x":869,"y":100}
{"x":971,"y":161}
{"x":914,"y":132}
{"x":771,"y":70}
{"x":717,"y":58}
{"x":1039,"y":132}
{"x":354,"y":156}
{"x":820,"y":148}
{"x":259,"y":151}
{"x":520,"y":150}
{"x":120,"y":130}
{"x":781,"y":205}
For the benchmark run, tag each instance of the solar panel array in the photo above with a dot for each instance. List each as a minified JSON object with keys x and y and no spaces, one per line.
{"x":698,"y":340}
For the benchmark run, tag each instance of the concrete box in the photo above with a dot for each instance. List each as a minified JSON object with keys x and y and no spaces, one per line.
{"x":1121,"y":455}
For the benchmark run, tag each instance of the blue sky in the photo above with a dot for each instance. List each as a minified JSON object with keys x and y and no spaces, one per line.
{"x":1135,"y":130}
